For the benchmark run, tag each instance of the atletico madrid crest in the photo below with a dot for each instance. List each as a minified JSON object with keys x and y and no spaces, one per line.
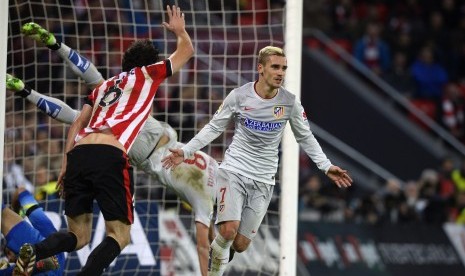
{"x":278,"y":111}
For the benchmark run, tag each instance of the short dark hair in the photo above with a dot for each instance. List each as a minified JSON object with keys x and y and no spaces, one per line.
{"x":140,"y":53}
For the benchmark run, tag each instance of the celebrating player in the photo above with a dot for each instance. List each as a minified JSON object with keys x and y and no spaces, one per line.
{"x":246,"y":177}
{"x":96,"y":165}
{"x":194,"y":185}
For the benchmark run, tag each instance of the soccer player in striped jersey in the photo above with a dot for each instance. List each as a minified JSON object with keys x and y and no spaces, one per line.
{"x":246,"y":177}
{"x":96,"y":165}
{"x":18,"y":231}
{"x":195,"y":185}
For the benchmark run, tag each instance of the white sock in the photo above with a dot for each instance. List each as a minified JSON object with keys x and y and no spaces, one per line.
{"x":219,"y":256}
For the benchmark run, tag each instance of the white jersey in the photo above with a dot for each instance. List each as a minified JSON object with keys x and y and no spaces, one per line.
{"x":193,"y":180}
{"x":259,"y":128}
{"x":146,"y":140}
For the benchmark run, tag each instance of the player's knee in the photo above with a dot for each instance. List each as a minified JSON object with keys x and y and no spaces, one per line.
{"x":228,"y":231}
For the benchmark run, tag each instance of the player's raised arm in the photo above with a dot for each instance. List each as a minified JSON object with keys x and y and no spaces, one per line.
{"x":184,"y":49}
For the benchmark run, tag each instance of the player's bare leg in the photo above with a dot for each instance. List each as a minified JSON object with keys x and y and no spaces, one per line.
{"x":203,"y":246}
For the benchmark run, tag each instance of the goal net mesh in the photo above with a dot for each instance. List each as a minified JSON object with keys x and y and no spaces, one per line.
{"x":227,"y":36}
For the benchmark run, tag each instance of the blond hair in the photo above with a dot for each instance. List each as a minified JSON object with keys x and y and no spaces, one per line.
{"x":267,"y":51}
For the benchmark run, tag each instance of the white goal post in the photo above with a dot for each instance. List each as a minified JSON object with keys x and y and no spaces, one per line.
{"x":290,"y":148}
{"x":3,"y":51}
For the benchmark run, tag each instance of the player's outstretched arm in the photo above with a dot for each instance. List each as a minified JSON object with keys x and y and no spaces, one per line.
{"x":339,"y":176}
{"x":184,"y":49}
{"x":80,"y":65}
{"x":174,"y":159}
{"x":53,"y":107}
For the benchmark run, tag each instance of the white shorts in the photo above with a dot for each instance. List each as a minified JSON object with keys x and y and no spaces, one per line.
{"x":193,"y":180}
{"x":242,"y":199}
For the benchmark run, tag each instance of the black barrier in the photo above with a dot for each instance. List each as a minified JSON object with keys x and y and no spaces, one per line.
{"x":390,"y":250}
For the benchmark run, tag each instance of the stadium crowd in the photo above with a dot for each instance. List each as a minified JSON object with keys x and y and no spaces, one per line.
{"x":418,"y":47}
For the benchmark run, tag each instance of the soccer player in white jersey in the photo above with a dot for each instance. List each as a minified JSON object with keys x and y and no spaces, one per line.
{"x":96,"y":165}
{"x":246,"y":177}
{"x":149,"y":147}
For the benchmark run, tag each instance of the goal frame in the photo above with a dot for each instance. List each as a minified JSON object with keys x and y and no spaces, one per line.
{"x":3,"y":61}
{"x":290,"y":157}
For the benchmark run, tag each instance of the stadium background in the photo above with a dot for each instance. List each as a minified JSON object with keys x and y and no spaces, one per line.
{"x":400,"y":135}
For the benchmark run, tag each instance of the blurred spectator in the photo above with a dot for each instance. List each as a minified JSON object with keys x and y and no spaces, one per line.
{"x":430,"y":77}
{"x":392,"y":197}
{"x":399,"y":75}
{"x":446,"y":184}
{"x":375,"y":11}
{"x":460,"y":208}
{"x":458,"y":176}
{"x":453,"y":111}
{"x":435,"y":211}
{"x":365,"y":209}
{"x":13,"y":174}
{"x":253,"y":12}
{"x":45,"y":187}
{"x":372,"y":50}
{"x":436,"y":35}
{"x":344,"y":21}
{"x":314,"y":198}
{"x":404,"y":44}
{"x":458,"y":68}
{"x":451,"y":12}
{"x":413,"y":206}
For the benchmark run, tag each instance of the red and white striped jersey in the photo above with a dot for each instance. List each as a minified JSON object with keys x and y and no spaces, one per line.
{"x":123,"y":103}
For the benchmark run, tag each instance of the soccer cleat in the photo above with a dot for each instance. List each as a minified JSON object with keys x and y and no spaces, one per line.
{"x":4,"y":264}
{"x":231,"y":254}
{"x":13,"y":83}
{"x":39,"y":34}
{"x":216,"y":266}
{"x":26,"y":260}
{"x":47,"y":264}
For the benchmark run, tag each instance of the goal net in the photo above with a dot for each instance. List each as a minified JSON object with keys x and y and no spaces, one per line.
{"x":227,"y":35}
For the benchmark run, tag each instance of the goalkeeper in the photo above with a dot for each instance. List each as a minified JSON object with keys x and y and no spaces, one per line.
{"x":195,"y":185}
{"x":17,"y":231}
